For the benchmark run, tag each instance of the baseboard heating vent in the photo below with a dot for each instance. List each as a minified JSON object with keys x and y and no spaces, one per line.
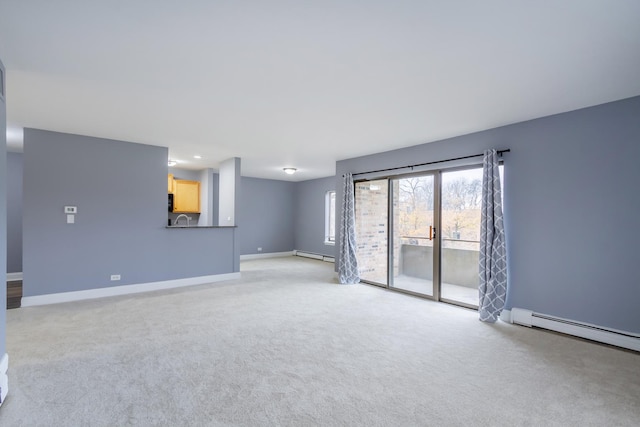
{"x":314,"y":256}
{"x":579,"y":329}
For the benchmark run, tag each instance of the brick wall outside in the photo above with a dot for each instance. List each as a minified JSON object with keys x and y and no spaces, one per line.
{"x":372,"y":220}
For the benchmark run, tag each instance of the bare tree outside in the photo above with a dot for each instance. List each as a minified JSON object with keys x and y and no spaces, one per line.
{"x":416,"y":202}
{"x":461,"y":204}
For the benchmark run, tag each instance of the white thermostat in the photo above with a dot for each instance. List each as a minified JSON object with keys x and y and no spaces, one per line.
{"x":70,"y":209}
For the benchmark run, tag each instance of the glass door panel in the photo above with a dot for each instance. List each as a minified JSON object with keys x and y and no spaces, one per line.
{"x":372,"y":214}
{"x":460,"y":236}
{"x":413,"y":234}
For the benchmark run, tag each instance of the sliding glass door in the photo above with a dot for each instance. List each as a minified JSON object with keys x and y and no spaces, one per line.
{"x":421,"y":233}
{"x":413,"y":234}
{"x":460,"y":236}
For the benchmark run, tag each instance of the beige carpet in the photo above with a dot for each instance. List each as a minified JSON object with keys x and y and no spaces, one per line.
{"x":286,"y":345}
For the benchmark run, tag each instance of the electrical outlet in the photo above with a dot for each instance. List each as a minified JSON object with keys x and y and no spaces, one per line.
{"x":115,"y":277}
{"x":259,"y":249}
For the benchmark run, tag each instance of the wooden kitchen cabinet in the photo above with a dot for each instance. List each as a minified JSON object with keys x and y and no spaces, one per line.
{"x":170,"y":183}
{"x":186,"y":196}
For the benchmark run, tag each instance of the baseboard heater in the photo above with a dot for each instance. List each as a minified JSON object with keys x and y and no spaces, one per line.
{"x":314,"y":256}
{"x":571,"y":327}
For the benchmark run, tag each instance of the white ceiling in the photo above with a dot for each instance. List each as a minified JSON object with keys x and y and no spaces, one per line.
{"x":303,"y":83}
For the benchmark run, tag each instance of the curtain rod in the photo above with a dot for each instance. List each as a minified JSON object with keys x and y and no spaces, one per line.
{"x":429,"y":163}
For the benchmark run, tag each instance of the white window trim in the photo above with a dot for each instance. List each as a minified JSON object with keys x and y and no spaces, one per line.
{"x":327,"y":218}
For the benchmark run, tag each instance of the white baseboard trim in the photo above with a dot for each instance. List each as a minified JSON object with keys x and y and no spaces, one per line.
{"x":124,"y":289}
{"x":12,"y":277}
{"x":266,"y":255}
{"x":312,"y":255}
{"x":4,"y":378}
{"x":589,"y":331}
{"x":505,"y":316}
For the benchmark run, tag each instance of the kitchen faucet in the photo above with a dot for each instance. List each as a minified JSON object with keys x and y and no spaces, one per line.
{"x":180,"y":216}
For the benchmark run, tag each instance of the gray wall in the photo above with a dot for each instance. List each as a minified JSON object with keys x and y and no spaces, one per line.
{"x":120,"y":191}
{"x":571,"y":208}
{"x":206,"y":197}
{"x":309,"y":215}
{"x":14,"y":212}
{"x":228,"y":191}
{"x":189,"y":175}
{"x":3,"y":221}
{"x":266,"y":216}
{"x":215,"y":198}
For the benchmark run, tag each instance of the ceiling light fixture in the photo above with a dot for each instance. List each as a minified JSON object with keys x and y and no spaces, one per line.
{"x":289,"y":171}
{"x":197,"y":156}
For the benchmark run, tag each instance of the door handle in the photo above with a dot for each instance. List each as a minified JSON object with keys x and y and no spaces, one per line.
{"x":432,"y":232}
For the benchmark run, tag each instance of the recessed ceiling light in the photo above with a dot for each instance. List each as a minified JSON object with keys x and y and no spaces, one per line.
{"x":197,"y":156}
{"x":172,"y":163}
{"x":289,"y":171}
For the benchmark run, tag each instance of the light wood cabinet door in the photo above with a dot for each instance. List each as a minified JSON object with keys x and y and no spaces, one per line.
{"x":186,"y":196}
{"x":170,"y":183}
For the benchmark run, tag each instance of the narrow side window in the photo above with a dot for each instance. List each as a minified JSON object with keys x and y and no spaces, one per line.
{"x":330,"y":218}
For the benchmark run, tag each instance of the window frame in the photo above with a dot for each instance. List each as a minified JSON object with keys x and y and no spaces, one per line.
{"x":329,"y":217}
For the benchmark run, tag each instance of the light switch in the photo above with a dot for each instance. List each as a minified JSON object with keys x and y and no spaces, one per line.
{"x":71,"y":219}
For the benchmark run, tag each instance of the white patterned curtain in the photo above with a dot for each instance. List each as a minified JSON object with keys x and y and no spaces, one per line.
{"x":348,"y":267}
{"x":493,"y":254}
